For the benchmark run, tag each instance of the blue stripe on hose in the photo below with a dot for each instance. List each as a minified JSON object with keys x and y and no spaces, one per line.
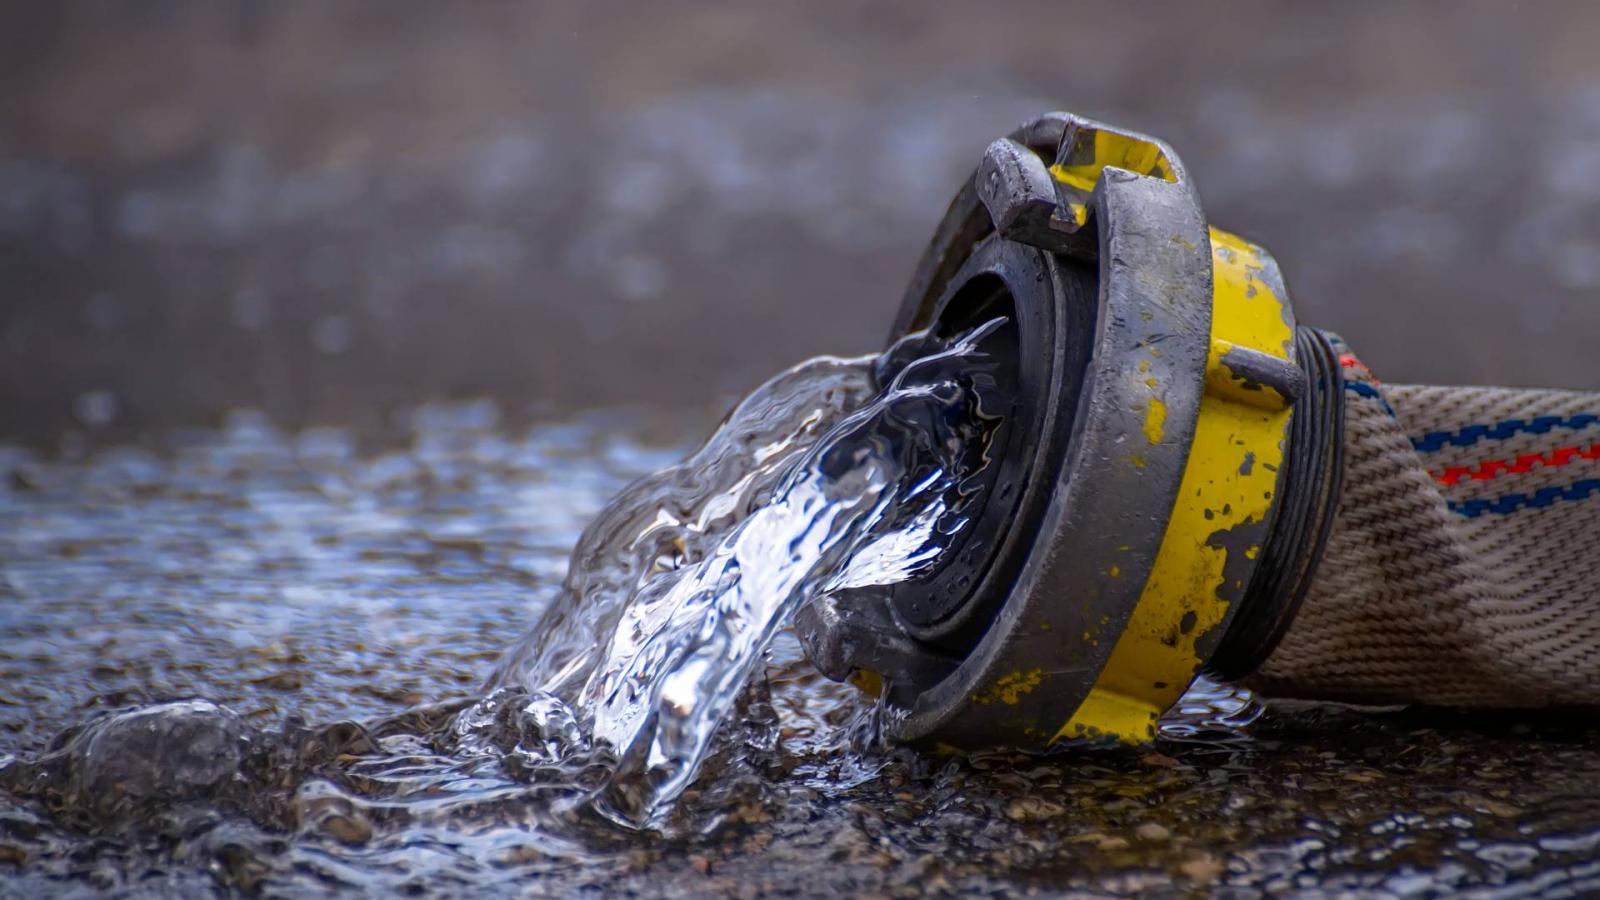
{"x":1472,"y":434}
{"x":1510,"y":503}
{"x":1362,"y":389}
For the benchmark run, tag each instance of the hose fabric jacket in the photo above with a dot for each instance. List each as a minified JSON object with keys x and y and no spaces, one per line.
{"x":1463,"y":567}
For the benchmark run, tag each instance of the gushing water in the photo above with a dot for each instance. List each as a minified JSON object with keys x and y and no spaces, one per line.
{"x":678,"y":587}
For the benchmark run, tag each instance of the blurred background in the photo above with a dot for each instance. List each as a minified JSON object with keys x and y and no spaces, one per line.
{"x":331,"y":212}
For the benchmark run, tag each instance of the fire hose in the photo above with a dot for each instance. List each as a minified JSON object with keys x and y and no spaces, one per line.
{"x":1189,"y":482}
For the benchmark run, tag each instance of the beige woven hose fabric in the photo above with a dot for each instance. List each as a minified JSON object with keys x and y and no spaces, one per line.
{"x":1463,"y":567}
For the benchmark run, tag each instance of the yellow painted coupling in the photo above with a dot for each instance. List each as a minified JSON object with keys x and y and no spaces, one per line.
{"x":1228,"y":480}
{"x":1160,"y":378}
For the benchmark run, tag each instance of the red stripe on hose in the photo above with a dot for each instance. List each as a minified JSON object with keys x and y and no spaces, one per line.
{"x":1494,"y":468}
{"x":1349,"y":361}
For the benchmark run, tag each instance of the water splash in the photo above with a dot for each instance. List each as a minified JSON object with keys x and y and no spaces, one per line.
{"x":814,"y":484}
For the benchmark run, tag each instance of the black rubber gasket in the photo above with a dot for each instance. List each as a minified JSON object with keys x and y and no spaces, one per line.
{"x":1042,"y":352}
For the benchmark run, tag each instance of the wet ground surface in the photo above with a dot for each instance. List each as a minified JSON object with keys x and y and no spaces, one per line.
{"x":307,"y":578}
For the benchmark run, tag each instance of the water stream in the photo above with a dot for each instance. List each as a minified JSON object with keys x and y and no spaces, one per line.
{"x":678,"y":587}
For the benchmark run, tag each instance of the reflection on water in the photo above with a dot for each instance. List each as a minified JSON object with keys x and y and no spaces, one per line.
{"x":336,"y":607}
